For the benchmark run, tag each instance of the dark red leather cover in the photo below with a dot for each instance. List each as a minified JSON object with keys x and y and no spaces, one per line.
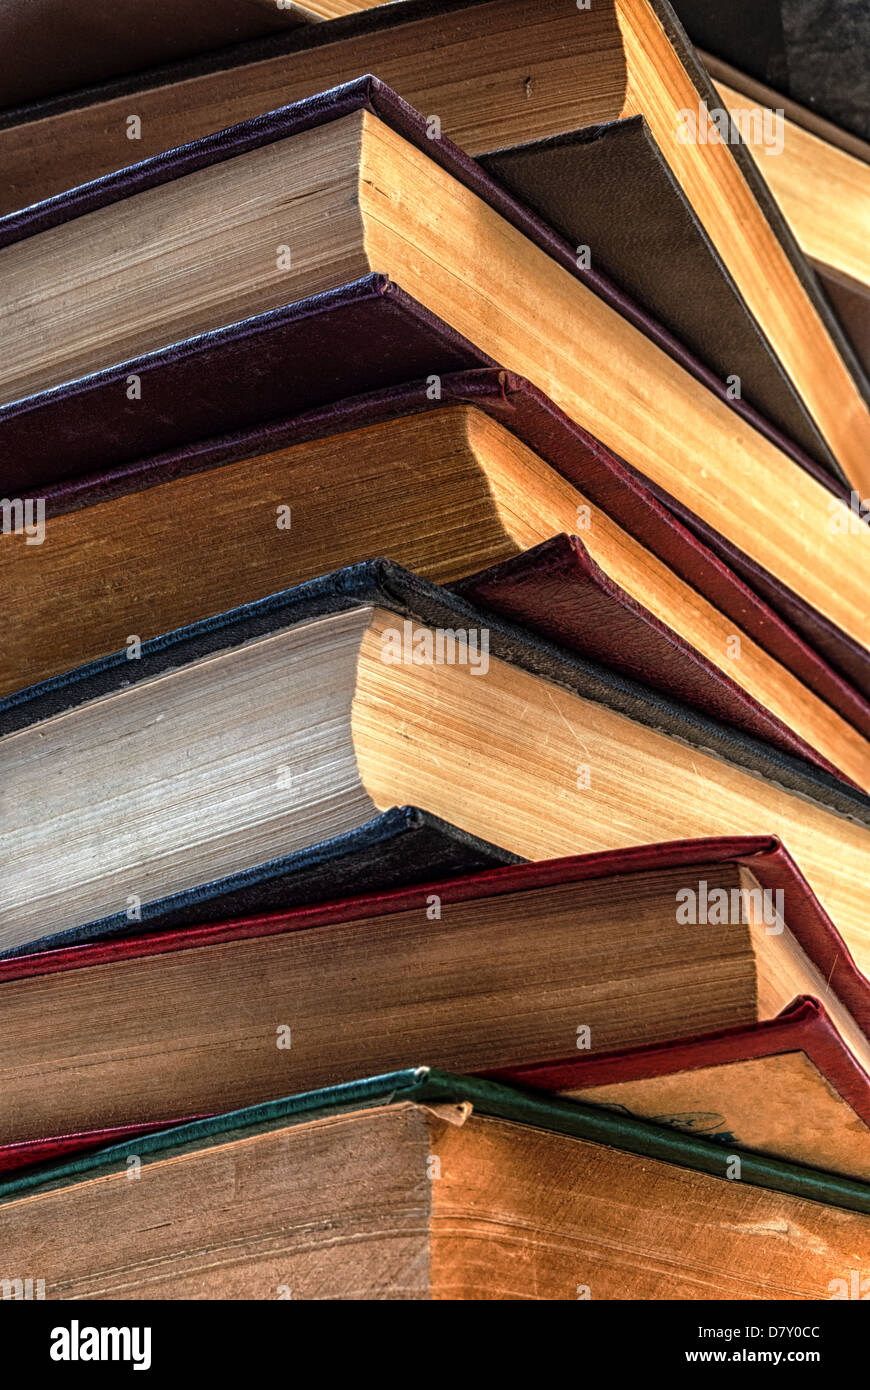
{"x":557,"y":589}
{"x":365,"y":93}
{"x":31,"y":1152}
{"x":836,"y":646}
{"x":526,"y":412}
{"x":766,"y":857}
{"x":804,"y":1026}
{"x":362,"y":337}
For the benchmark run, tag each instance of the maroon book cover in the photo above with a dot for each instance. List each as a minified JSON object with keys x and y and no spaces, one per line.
{"x":236,"y":377}
{"x":37,"y":419}
{"x":550,"y":589}
{"x":803,"y":1034}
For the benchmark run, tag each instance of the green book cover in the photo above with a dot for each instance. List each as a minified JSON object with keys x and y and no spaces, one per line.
{"x":429,"y":1086}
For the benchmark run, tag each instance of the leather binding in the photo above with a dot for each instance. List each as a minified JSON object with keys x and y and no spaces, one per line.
{"x":428,"y":1086}
{"x":609,"y":187}
{"x":848,"y":299}
{"x":835,"y":646}
{"x":384,"y":584}
{"x":228,"y":380}
{"x":401,"y":846}
{"x":235,"y":378}
{"x":765,"y":856}
{"x":32,"y":1152}
{"x":58,"y":414}
{"x":572,"y":451}
{"x":804,"y":1026}
{"x":386,"y":17}
{"x":759,"y":189}
{"x":57,"y":46}
{"x":557,"y":589}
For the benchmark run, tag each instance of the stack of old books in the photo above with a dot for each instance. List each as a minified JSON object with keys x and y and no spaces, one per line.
{"x":435,"y":692}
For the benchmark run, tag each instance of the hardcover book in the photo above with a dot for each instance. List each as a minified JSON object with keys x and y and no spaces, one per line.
{"x":609,"y":188}
{"x":568,"y":799}
{"x":447,"y":488}
{"x":343,"y":697}
{"x":620,"y":58}
{"x":697,"y":969}
{"x":419,"y":1185}
{"x":622,"y":386}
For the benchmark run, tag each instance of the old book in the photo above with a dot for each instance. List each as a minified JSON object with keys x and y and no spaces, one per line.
{"x":419,"y":1185}
{"x":819,"y":167}
{"x":813,"y":163}
{"x":58,"y":47}
{"x":367,"y":180}
{"x":400,"y":846}
{"x":787,"y":1086}
{"x":444,"y":492}
{"x":610,"y":188}
{"x":189,"y":399}
{"x":809,"y":171}
{"x":561,"y":590}
{"x":630,"y":951}
{"x":298,"y":717}
{"x":621,"y":58}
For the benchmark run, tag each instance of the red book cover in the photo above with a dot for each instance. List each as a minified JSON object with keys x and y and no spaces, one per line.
{"x":791,"y":1086}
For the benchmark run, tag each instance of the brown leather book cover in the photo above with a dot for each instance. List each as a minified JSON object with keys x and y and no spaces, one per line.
{"x":610,"y":189}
